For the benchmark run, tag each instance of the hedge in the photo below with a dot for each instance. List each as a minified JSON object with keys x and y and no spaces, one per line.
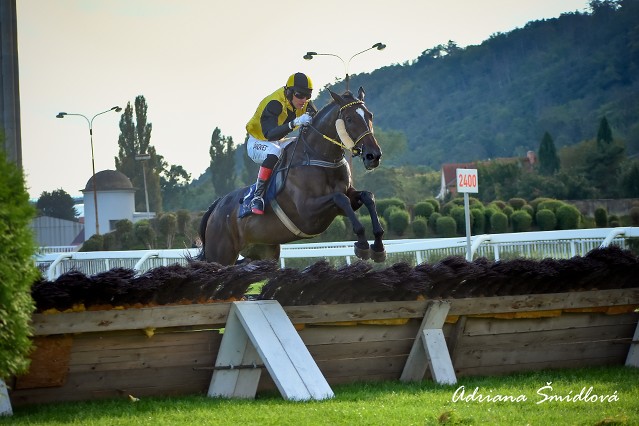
{"x":17,"y":270}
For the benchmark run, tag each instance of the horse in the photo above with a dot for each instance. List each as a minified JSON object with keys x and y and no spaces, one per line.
{"x":317,"y":188}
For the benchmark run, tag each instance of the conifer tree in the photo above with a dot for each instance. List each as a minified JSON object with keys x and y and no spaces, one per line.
{"x":134,"y":139}
{"x":222,"y":166}
{"x":548,"y":159}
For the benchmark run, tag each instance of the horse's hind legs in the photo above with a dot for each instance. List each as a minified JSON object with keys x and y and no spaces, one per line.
{"x":378,"y":250}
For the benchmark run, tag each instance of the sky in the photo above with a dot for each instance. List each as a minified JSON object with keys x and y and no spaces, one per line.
{"x":202,"y":64}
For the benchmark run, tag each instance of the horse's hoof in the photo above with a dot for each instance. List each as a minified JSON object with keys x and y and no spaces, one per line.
{"x":363,"y":254}
{"x":379,"y":256}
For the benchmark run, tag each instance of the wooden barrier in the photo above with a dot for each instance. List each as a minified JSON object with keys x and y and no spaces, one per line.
{"x":171,"y":350}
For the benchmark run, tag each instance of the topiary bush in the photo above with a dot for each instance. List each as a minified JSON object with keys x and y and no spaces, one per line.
{"x":479,"y":221}
{"x":601,"y":217}
{"x":488,"y":213}
{"x":17,"y":269}
{"x":145,"y":233}
{"x":521,"y":221}
{"x":508,"y":211}
{"x":95,"y":243}
{"x":517,"y":203}
{"x":497,"y":205}
{"x":568,"y":217}
{"x":432,"y":221}
{"x":423,"y":209}
{"x":336,"y":231}
{"x":459,"y":215}
{"x":498,"y":223}
{"x":546,"y":220}
{"x":399,"y":221}
{"x":368,"y":225}
{"x":434,"y":203}
{"x":389,"y":211}
{"x":535,"y":203}
{"x":550,"y":204}
{"x":446,"y":226}
{"x":420,"y":227}
{"x":529,"y":209}
{"x":385,"y":203}
{"x":614,"y":221}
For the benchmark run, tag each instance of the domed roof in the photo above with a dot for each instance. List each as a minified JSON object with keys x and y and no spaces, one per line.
{"x":108,"y":180}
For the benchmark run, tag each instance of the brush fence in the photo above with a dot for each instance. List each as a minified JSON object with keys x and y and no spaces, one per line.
{"x":171,"y":350}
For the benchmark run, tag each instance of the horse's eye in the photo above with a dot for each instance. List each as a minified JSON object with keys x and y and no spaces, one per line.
{"x":349,"y":120}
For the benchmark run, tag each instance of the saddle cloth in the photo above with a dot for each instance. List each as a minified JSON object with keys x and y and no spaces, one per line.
{"x":275,"y":185}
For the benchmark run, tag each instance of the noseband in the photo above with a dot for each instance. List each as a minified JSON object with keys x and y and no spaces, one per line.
{"x":343,"y":133}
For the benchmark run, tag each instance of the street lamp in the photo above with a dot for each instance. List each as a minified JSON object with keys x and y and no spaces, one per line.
{"x":378,"y":46}
{"x":143,"y":158}
{"x":90,"y":123}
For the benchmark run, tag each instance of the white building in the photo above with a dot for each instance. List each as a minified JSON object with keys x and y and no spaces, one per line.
{"x":116,"y":201}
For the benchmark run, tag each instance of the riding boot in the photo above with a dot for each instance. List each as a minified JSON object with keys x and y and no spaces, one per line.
{"x":257,"y":203}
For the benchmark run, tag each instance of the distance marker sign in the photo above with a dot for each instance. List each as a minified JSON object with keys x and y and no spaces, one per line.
{"x":467,"y":180}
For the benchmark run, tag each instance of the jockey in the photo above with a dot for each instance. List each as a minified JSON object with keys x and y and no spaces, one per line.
{"x":276,"y":116}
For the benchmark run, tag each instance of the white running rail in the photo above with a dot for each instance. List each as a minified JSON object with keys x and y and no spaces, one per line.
{"x":533,"y":245}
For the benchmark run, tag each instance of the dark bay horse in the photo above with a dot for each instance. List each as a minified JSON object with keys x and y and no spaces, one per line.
{"x":317,"y":188}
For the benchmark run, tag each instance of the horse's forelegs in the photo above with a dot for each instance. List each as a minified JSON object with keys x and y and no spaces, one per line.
{"x":379,"y":252}
{"x":362,"y":249}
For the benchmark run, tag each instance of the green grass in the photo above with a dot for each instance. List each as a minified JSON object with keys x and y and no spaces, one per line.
{"x":386,"y":403}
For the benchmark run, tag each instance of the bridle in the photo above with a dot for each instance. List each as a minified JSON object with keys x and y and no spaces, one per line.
{"x":343,"y":134}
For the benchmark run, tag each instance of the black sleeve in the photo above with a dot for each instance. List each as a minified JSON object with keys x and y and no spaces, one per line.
{"x":268,"y":121}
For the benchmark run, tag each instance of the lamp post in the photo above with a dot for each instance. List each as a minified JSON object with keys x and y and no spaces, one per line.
{"x":90,"y":123}
{"x":378,"y":46}
{"x":143,"y":158}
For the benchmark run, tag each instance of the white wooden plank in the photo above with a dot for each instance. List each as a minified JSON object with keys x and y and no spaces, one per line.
{"x":270,"y":331}
{"x":275,"y":358}
{"x":632,"y":360}
{"x":5,"y":402}
{"x":298,"y":354}
{"x":441,"y":367}
{"x":418,"y":359}
{"x":234,"y":383}
{"x":435,"y":315}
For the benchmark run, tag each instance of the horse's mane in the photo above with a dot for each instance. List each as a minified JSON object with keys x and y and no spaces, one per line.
{"x":326,"y":109}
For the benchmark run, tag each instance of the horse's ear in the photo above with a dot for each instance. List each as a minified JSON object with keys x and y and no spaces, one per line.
{"x":361,"y":93}
{"x":337,"y":98}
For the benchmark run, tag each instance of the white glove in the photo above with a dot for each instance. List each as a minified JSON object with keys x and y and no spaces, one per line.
{"x":302,"y":120}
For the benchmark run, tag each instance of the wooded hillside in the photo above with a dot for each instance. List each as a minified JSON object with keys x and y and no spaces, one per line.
{"x":497,"y":99}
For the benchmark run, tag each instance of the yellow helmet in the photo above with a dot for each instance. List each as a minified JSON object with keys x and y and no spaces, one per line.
{"x":299,"y":82}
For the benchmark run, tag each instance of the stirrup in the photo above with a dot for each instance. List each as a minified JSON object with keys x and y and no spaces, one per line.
{"x":257,"y":205}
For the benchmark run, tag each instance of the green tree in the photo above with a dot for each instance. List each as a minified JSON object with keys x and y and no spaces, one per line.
{"x":134,"y":139}
{"x":222,"y":165}
{"x":175,"y":187}
{"x":630,"y":181}
{"x":58,"y":204}
{"x":604,"y":134}
{"x":546,"y":220}
{"x":168,"y":227}
{"x":548,"y":159}
{"x":17,"y":269}
{"x":604,"y":164}
{"x":144,"y":233}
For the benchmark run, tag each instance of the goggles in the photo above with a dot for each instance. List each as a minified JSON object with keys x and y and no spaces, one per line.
{"x":300,"y":95}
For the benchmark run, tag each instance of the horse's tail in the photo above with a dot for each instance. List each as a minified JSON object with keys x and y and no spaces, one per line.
{"x":205,"y":219}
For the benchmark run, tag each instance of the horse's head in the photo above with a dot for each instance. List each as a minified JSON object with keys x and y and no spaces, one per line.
{"x":355,"y":128}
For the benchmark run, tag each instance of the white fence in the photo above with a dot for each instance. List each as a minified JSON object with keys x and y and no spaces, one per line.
{"x":534,"y":245}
